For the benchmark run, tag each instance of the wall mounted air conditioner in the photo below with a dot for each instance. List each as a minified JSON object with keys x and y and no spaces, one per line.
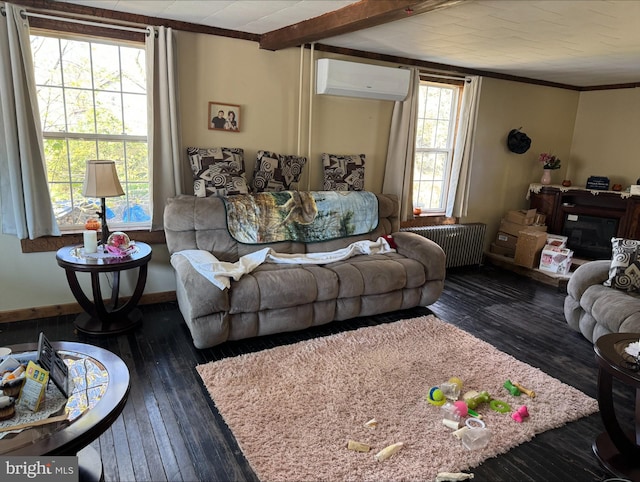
{"x":352,"y":79}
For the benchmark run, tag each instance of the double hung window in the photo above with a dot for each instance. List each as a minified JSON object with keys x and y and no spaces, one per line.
{"x":435,"y":138}
{"x":93,"y":105}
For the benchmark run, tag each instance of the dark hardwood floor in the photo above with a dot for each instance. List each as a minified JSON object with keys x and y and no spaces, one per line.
{"x":170,"y":429}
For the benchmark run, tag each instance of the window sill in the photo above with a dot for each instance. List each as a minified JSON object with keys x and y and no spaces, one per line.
{"x":428,"y":220}
{"x":54,"y":243}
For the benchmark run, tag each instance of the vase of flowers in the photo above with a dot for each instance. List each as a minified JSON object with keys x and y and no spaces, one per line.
{"x":549,"y":163}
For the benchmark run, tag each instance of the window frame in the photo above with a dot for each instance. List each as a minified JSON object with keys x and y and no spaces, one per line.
{"x":129,"y":40}
{"x":456,"y":86}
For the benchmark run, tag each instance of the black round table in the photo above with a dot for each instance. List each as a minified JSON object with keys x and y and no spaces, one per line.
{"x":95,"y":400}
{"x":105,"y":318}
{"x":617,"y":449}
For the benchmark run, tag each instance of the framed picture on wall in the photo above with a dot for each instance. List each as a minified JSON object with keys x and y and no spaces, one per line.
{"x":224,"y":117}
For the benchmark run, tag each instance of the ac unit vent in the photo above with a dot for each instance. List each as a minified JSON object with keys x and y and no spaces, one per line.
{"x":352,"y":79}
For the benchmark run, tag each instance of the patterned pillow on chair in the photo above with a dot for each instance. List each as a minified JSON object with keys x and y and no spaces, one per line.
{"x":217,"y":171}
{"x":276,"y":172}
{"x":624,"y":273}
{"x":343,"y":172}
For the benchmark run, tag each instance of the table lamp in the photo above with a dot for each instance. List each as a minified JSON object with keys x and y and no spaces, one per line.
{"x":101,"y":181}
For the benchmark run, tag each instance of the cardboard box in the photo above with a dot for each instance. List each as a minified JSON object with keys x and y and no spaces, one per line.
{"x":524,"y":216}
{"x":539,"y":218}
{"x":529,"y":247}
{"x":557,"y":240}
{"x":505,"y":240}
{"x":502,"y":251}
{"x":556,"y":260}
{"x":514,"y":228}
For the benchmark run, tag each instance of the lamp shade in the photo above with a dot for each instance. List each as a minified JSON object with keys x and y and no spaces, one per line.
{"x":101,"y":180}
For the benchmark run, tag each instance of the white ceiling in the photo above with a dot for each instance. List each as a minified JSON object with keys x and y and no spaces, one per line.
{"x":575,"y":42}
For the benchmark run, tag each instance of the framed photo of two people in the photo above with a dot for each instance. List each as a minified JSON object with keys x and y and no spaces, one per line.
{"x":224,"y":117}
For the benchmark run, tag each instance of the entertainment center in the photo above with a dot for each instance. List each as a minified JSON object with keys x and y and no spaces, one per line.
{"x":589,"y":218}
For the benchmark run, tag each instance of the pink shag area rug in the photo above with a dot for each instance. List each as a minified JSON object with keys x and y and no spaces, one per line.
{"x":294,"y":408}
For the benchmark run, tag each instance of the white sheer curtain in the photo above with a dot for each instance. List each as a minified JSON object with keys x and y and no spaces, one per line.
{"x":458,"y":195}
{"x":25,"y":203}
{"x":165,"y":173}
{"x":398,"y":174}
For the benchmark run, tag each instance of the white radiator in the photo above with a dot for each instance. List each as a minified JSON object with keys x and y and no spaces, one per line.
{"x":462,"y":243}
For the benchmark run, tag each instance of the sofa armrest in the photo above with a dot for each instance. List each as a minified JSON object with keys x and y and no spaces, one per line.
{"x":588,"y":274}
{"x":203,"y":297}
{"x":418,"y":247}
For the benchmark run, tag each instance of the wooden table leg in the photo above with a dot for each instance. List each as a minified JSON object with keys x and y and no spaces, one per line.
{"x":100,"y":319}
{"x":614,"y":448}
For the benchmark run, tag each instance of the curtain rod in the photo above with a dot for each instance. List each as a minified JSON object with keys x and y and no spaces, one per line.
{"x":439,"y":76}
{"x":85,"y":22}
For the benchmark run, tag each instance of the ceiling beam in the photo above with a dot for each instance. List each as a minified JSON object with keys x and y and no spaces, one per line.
{"x":357,"y":16}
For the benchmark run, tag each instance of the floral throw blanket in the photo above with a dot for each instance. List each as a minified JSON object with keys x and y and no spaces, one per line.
{"x":304,"y":216}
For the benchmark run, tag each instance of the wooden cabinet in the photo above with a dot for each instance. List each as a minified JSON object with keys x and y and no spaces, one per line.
{"x":556,"y":204}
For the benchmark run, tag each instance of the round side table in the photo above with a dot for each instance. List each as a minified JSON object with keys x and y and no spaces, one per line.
{"x":113,"y":317}
{"x":618,"y":450}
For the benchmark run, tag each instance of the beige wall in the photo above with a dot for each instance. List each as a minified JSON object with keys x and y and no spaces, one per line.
{"x":606,"y":137}
{"x":265,"y":84}
{"x":500,"y":177}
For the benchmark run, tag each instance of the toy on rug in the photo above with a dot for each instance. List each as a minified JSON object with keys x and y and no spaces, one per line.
{"x":387,"y":452}
{"x":358,"y":446}
{"x":373,"y":423}
{"x":473,"y":398}
{"x":513,"y":390}
{"x":530,"y":393}
{"x":436,"y":397}
{"x":520,"y":414}
{"x":499,"y":406}
{"x":452,"y":476}
{"x":465,"y":410}
{"x":449,"y":390}
{"x":476,"y":438}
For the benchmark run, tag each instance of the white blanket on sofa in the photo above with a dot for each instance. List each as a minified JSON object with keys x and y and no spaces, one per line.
{"x":220,"y":273}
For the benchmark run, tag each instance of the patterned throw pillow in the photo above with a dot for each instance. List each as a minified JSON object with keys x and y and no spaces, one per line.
{"x":276,"y":172}
{"x":217,"y":171}
{"x":343,"y":173}
{"x":624,"y":273}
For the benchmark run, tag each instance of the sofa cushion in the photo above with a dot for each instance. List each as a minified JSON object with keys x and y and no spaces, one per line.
{"x":343,"y":172}
{"x":217,"y":171}
{"x":624,"y":273}
{"x":276,"y":172}
{"x":273,"y":286}
{"x":614,"y":309}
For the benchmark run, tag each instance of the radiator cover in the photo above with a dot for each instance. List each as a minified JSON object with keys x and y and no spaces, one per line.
{"x":462,"y":243}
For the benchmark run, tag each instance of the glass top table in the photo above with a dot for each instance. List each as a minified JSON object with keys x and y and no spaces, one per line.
{"x":99,"y":387}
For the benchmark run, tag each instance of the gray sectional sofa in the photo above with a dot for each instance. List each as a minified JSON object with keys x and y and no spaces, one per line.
{"x":287,"y":297}
{"x":594,"y":309}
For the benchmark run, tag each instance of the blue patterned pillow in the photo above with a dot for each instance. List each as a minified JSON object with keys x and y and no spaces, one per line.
{"x":343,"y":172}
{"x":624,"y":273}
{"x":276,"y":172}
